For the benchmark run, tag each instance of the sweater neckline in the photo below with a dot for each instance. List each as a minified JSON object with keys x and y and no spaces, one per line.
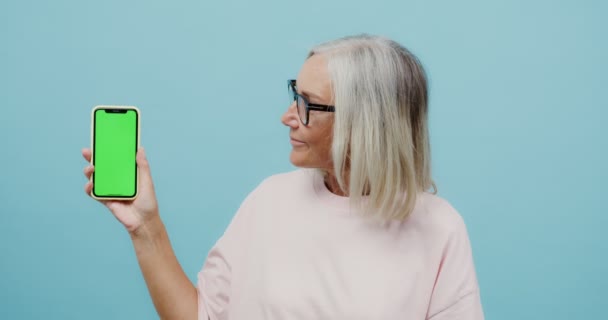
{"x":338,"y":203}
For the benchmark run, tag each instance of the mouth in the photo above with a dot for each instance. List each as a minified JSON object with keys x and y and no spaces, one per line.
{"x":296,"y":142}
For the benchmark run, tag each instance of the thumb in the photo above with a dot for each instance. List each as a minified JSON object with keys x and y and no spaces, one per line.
{"x":144,"y":167}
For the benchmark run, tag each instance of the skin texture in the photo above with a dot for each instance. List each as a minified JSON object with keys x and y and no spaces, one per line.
{"x":312,"y":145}
{"x":174,"y":296}
{"x":132,"y":214}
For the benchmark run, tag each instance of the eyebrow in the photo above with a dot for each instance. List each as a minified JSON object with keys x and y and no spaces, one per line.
{"x":310,"y":95}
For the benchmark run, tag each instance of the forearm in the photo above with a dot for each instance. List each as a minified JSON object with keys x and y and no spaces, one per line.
{"x":173,"y":294}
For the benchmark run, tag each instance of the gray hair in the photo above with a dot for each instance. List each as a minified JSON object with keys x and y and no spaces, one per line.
{"x":380,"y":136}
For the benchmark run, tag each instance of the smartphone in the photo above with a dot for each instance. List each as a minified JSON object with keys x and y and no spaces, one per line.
{"x":114,"y":143}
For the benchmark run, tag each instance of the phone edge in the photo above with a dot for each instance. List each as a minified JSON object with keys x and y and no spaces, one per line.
{"x":137,"y":111}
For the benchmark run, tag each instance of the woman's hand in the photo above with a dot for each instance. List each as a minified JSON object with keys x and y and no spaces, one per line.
{"x":173,"y":294}
{"x":133,"y":214}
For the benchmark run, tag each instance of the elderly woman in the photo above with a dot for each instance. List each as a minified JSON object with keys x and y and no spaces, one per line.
{"x":353,"y":234}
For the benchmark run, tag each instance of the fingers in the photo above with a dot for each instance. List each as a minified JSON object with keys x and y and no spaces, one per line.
{"x":88,"y":187}
{"x":142,"y":163}
{"x":86,"y":153}
{"x":88,"y":170}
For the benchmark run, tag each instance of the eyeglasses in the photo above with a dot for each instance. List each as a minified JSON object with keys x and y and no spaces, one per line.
{"x":303,"y":105}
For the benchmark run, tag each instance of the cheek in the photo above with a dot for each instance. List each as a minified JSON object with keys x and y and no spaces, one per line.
{"x":317,"y":152}
{"x":322,"y":148}
{"x":326,"y":148}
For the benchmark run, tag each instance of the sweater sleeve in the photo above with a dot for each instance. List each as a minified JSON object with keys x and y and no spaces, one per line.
{"x":214,"y":279}
{"x":456,"y":291}
{"x":214,"y":286}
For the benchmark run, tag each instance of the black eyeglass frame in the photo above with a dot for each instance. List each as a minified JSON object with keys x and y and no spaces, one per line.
{"x":291,"y":85}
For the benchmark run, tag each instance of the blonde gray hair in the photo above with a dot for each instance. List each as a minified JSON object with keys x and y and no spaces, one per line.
{"x":380,"y":139}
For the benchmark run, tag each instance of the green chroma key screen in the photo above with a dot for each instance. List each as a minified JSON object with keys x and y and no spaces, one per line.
{"x":114,"y":151}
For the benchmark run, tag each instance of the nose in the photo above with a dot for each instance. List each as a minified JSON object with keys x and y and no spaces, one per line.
{"x":290,"y":117}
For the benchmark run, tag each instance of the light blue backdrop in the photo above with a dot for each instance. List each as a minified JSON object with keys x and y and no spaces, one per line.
{"x":518,"y":112}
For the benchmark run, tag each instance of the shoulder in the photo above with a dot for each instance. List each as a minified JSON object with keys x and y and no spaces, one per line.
{"x":268,"y":193}
{"x":289,"y":177}
{"x":437,"y":215}
{"x":282,"y":184}
{"x":284,"y":181}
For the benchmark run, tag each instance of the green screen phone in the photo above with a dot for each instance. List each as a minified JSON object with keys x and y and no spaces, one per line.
{"x":115,"y":139}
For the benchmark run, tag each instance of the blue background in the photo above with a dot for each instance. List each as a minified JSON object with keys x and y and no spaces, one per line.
{"x":518,"y":113}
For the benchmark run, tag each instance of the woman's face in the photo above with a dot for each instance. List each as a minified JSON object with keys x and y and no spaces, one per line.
{"x":311,"y":144}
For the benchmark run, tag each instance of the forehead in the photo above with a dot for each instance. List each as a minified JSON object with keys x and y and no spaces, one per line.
{"x":314,"y":77}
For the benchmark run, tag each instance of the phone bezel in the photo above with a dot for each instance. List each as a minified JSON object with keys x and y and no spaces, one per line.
{"x":138,"y":130}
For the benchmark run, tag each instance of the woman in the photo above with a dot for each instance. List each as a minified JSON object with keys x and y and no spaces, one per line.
{"x":355,"y":234}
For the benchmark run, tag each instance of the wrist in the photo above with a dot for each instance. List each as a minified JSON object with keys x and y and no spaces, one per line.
{"x":150,"y":229}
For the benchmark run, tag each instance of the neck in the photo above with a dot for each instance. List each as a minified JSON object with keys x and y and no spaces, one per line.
{"x":331,"y":182}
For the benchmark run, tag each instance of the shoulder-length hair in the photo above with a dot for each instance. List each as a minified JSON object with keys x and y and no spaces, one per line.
{"x":380,"y":137}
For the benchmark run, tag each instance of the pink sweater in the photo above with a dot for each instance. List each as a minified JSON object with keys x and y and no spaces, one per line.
{"x":294,"y":250}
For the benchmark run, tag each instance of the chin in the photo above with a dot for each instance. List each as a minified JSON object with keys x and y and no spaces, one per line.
{"x":303,"y":159}
{"x":299,"y":159}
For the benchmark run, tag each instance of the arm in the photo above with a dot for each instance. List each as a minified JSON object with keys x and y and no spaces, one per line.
{"x":174,"y":296}
{"x":456,"y":292}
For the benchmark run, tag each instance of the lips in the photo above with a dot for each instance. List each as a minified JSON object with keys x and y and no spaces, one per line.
{"x":296,"y":143}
